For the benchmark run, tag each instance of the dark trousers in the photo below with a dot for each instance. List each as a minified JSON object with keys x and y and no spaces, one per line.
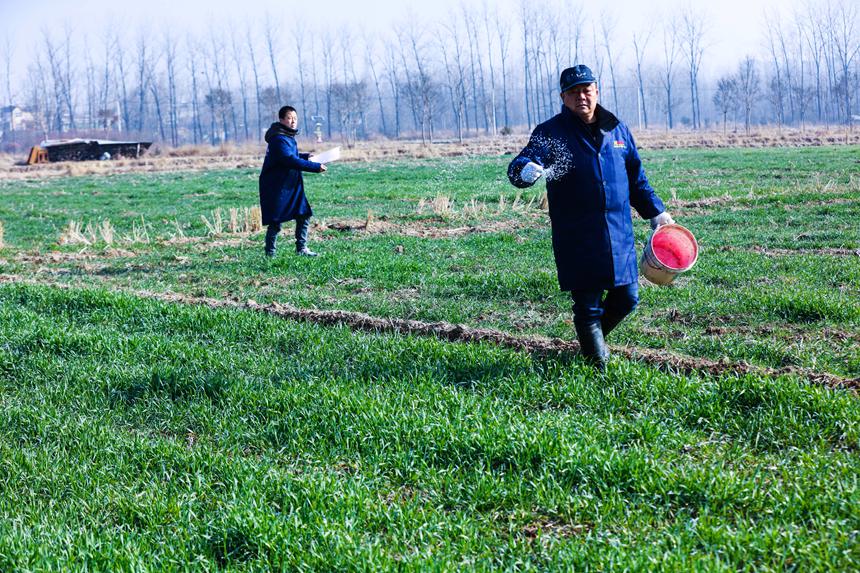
{"x":590,"y":306}
{"x":273,"y":229}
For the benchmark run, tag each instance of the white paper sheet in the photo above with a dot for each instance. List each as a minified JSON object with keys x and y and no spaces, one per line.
{"x":332,"y":154}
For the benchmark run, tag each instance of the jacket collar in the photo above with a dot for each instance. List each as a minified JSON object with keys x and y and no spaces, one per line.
{"x":278,"y":128}
{"x":605,"y":119}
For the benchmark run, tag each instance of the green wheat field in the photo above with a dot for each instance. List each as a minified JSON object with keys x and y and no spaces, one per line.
{"x":155,"y":417}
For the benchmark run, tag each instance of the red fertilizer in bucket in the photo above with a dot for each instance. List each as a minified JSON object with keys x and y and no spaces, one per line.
{"x":671,"y":250}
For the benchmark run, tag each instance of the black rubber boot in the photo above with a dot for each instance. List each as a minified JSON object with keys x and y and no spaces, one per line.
{"x":592,"y":345}
{"x":610,"y":320}
{"x":271,"y":240}
{"x":302,"y":238}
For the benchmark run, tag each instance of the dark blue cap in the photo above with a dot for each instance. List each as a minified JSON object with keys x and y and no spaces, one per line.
{"x":576,"y":76}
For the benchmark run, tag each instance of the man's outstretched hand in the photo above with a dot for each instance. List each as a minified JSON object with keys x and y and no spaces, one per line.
{"x":531,"y":172}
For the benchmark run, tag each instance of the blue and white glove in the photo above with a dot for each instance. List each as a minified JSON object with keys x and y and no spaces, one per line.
{"x":531,"y":172}
{"x":663,"y":218}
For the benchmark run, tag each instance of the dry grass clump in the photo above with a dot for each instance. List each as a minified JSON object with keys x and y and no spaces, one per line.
{"x":2,"y":244}
{"x":441,"y":205}
{"x":245,"y":220}
{"x":216,"y":227}
{"x":444,"y":206}
{"x":139,"y":234}
{"x":242,"y":221}
{"x":75,"y":233}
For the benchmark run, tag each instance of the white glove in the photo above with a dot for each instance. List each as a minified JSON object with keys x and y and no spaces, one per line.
{"x":663,"y":218}
{"x":531,"y":172}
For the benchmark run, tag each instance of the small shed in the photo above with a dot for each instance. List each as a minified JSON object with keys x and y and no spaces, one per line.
{"x":85,"y":149}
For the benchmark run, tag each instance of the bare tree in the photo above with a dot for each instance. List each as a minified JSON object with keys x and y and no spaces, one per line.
{"x":172,"y":90}
{"x":748,"y":88}
{"x":257,"y":88}
{"x":525,"y":19}
{"x":475,"y":66}
{"x":39,"y":99}
{"x":298,"y":44}
{"x":370,"y":62}
{"x":59,"y":62}
{"x":421,"y":84}
{"x":391,"y":74}
{"x":327,"y":41}
{"x":108,"y":110}
{"x":7,"y":51}
{"x":846,"y":45}
{"x":607,"y":28}
{"x":121,"y":79}
{"x":91,"y":90}
{"x":777,"y":91}
{"x":143,"y":76}
{"x":504,"y":42}
{"x":270,"y":44}
{"x":800,"y":87}
{"x":640,"y":43}
{"x":449,"y":34}
{"x":490,"y":103}
{"x":725,"y":97}
{"x":196,"y":126}
{"x":667,"y":75}
{"x":692,"y":40}
{"x":242,"y":77}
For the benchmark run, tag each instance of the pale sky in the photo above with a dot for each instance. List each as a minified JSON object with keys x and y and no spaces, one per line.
{"x":735,"y":26}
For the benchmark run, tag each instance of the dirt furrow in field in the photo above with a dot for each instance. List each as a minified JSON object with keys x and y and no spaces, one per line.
{"x":775,"y":252}
{"x":463,"y":333}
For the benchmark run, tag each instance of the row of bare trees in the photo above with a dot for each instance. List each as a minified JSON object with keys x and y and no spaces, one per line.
{"x":478,"y":72}
{"x":809,"y":72}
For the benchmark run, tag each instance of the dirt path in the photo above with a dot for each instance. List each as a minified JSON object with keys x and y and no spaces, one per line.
{"x":461,"y":333}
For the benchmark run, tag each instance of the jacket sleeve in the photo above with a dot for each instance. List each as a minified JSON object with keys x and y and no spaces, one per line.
{"x":642,"y":195}
{"x":534,"y":152}
{"x":285,"y":154}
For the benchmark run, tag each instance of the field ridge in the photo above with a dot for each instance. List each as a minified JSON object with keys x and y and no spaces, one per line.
{"x":463,"y":333}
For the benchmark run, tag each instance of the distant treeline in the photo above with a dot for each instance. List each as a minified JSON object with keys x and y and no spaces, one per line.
{"x":477,"y":72}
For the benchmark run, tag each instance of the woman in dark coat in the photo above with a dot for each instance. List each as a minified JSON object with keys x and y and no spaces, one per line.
{"x":282,"y":191}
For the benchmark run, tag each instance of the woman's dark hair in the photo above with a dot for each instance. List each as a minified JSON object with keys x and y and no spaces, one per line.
{"x":282,"y":113}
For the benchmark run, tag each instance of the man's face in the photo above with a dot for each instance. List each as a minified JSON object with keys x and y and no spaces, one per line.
{"x":291,"y":120}
{"x":581,"y":100}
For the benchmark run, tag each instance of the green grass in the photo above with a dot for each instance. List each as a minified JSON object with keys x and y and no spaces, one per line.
{"x":137,"y":435}
{"x":800,"y":202}
{"x":141,"y":435}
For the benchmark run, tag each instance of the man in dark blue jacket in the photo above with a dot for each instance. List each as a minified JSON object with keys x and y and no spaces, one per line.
{"x":593,"y":177}
{"x":282,"y":190}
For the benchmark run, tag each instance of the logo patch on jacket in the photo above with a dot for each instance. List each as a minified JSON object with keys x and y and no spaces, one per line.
{"x":619,"y":144}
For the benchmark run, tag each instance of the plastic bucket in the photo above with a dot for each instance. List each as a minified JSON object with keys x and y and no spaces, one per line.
{"x":671,"y":250}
